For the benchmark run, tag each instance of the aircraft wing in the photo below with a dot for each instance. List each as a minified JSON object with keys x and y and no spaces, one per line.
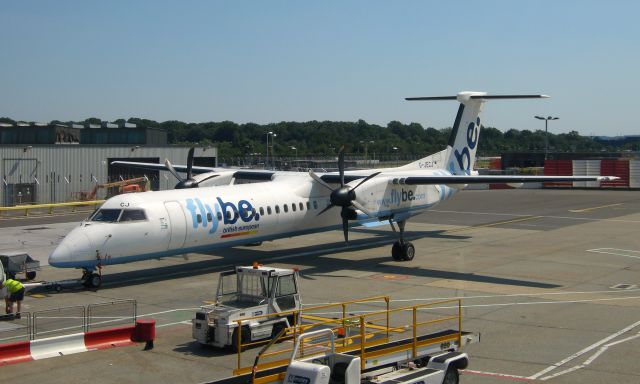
{"x":469,"y":179}
{"x":249,"y":174}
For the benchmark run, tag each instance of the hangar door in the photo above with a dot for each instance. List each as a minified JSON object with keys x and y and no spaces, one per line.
{"x":177,"y":224}
{"x":19,"y":177}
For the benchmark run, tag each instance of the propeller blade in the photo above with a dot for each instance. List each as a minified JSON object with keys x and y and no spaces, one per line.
{"x":204,"y":177}
{"x":371,"y":176}
{"x":319,"y":180}
{"x":173,"y":171}
{"x":341,"y":165}
{"x":326,"y":209}
{"x":190,"y":162}
{"x":345,"y":225}
{"x":362,"y":208}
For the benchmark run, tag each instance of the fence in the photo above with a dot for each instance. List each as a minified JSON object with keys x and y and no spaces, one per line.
{"x":67,"y":320}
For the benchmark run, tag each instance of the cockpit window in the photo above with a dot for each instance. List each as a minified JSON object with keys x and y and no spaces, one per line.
{"x":132,"y":215}
{"x":106,"y":215}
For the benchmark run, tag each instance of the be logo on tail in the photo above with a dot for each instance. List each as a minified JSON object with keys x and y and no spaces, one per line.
{"x":464,"y":156}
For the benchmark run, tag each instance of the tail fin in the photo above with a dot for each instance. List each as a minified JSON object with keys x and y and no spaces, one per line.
{"x":463,"y":142}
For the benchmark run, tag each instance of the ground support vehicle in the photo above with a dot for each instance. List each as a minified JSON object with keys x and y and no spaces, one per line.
{"x":19,"y":262}
{"x":244,"y":293}
{"x":420,"y":343}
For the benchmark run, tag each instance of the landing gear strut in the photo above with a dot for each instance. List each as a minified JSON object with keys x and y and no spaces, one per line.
{"x":91,"y":279}
{"x":402,"y":250}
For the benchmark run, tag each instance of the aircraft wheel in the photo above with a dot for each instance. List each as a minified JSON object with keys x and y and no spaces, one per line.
{"x":94,"y":281}
{"x":31,"y":275}
{"x":396,"y":251}
{"x":408,"y":252}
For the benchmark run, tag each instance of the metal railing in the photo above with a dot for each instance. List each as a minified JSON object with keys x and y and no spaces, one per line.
{"x":47,"y":209}
{"x":67,"y":320}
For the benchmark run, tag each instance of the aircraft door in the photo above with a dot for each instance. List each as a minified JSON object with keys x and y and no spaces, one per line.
{"x":177,"y":224}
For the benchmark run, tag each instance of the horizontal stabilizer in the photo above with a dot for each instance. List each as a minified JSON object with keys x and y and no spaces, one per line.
{"x":483,"y":97}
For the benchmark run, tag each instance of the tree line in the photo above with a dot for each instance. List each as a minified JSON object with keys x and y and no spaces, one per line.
{"x":324,"y":138}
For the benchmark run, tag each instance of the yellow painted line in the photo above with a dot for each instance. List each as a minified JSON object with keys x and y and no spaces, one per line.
{"x":38,"y":296}
{"x":495,"y":224}
{"x":594,"y":208}
{"x":208,"y":302}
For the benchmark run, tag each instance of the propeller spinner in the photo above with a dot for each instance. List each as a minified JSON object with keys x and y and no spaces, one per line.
{"x":344,"y":196}
{"x":190,"y":181}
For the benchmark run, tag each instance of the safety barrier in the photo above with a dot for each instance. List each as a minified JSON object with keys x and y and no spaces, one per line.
{"x":12,"y":353}
{"x":67,"y":320}
{"x":48,"y":208}
{"x":371,"y":333}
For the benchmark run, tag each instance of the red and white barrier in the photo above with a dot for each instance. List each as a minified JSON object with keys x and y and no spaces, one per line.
{"x":76,"y":343}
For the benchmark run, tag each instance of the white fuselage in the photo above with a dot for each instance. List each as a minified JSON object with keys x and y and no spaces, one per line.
{"x":190,"y":220}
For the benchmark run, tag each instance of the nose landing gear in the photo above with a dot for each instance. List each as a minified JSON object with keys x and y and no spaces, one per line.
{"x":401,"y":250}
{"x":91,"y":279}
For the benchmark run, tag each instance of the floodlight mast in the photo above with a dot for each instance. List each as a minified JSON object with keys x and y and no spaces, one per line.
{"x":546,"y":133}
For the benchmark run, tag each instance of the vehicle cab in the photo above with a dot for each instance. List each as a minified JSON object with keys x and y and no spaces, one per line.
{"x":244,"y":293}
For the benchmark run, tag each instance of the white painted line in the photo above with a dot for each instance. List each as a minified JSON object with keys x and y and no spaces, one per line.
{"x":504,"y":304}
{"x":498,"y":375}
{"x":616,"y":291}
{"x":543,"y":217}
{"x":616,"y":252}
{"x":583,"y":351}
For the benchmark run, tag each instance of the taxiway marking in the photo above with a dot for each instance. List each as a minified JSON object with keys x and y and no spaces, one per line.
{"x":617,"y":252}
{"x":527,"y":218}
{"x":543,"y":216}
{"x":593,"y":208}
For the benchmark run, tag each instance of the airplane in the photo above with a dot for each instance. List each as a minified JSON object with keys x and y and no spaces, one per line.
{"x":217,"y":207}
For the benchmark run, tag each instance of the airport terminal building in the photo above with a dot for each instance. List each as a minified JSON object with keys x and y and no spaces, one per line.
{"x":44,"y":163}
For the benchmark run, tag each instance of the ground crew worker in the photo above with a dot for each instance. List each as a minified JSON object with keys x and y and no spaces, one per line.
{"x":16,"y":294}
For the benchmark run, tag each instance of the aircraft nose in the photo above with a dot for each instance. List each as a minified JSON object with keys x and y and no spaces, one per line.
{"x":60,"y":256}
{"x":74,"y":248}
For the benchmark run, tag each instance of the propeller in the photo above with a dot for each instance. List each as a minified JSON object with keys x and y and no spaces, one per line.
{"x":190,"y":181}
{"x":344,"y":196}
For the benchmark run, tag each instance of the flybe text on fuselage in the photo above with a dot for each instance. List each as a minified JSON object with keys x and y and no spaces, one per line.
{"x":237,"y":219}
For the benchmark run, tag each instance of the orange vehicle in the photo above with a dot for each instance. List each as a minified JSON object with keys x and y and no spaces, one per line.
{"x":137,"y":184}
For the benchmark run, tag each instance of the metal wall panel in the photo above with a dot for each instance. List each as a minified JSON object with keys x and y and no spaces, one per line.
{"x":58,"y":172}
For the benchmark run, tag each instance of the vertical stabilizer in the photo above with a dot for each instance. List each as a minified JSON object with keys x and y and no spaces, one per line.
{"x":460,"y":155}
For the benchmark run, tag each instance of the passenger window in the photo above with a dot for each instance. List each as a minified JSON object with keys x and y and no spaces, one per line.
{"x":261,"y":211}
{"x":209,"y":217}
{"x":315,"y":204}
{"x":301,"y":206}
{"x":106,"y":215}
{"x":219,"y":215}
{"x":286,"y":208}
{"x":308,"y":205}
{"x":228,"y":214}
{"x":277,"y":209}
{"x":199,"y":216}
{"x":269,"y":209}
{"x":132,"y":215}
{"x":293,"y":207}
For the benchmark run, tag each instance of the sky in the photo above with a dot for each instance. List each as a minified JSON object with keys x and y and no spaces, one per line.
{"x":272,"y":61}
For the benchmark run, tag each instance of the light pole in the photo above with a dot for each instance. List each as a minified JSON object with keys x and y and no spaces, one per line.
{"x":546,"y":133}
{"x":395,"y":150}
{"x":295,"y":149}
{"x":273,"y":135}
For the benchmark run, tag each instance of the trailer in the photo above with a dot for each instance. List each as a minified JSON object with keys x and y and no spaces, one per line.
{"x":19,"y":262}
{"x":243,"y":293}
{"x":366,"y":341}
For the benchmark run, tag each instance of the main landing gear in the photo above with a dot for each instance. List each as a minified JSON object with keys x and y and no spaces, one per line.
{"x":91,"y":279}
{"x":402,"y":250}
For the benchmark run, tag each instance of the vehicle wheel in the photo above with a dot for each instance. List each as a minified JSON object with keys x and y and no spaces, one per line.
{"x":94,"y":281}
{"x":31,"y":275}
{"x":408,"y":252}
{"x":245,"y":336}
{"x":277,"y":328}
{"x":451,"y":376}
{"x":396,"y":251}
